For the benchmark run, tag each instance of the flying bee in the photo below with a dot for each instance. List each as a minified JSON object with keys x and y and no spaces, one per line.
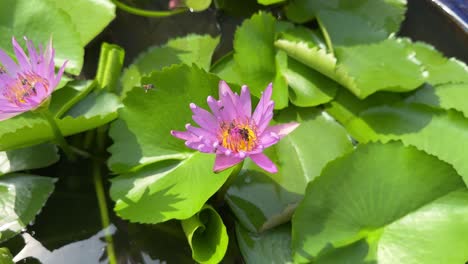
{"x":2,"y":70}
{"x":244,"y":132}
{"x":147,"y":87}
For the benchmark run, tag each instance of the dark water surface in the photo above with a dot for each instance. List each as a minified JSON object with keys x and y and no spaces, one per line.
{"x":68,"y":230}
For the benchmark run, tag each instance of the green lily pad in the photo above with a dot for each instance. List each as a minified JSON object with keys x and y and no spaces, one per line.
{"x":207,"y":235}
{"x":34,"y":157}
{"x":446,"y":96}
{"x":378,"y":184}
{"x":30,"y":128}
{"x":270,"y":2}
{"x":39,"y":21}
{"x":260,"y":66}
{"x":307,"y":86}
{"x":225,"y":68}
{"x":272,"y":246}
{"x":89,"y":17}
{"x":261,"y":200}
{"x":196,"y":49}
{"x":142,"y":135}
{"x":21,"y":197}
{"x":5,"y":256}
{"x":439,"y":69}
{"x":198,"y":5}
{"x":351,"y":22}
{"x":365,"y":69}
{"x":63,"y":99}
{"x":167,"y":190}
{"x":440,"y":133}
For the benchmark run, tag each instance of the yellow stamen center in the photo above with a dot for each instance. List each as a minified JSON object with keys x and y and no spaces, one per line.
{"x":238,"y":137}
{"x":23,"y":87}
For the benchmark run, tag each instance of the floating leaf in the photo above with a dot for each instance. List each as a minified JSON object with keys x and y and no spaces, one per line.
{"x":5,"y":256}
{"x":142,"y":135}
{"x":364,"y":70}
{"x":260,"y":66}
{"x":89,"y":17}
{"x":270,"y":2}
{"x":167,"y":190}
{"x":63,"y":99}
{"x":439,"y":69}
{"x":225,"y":69}
{"x":272,"y":246}
{"x":308,"y":87}
{"x":261,"y":200}
{"x":29,"y":128}
{"x":207,"y":235}
{"x":198,"y":5}
{"x":39,"y":21}
{"x":351,"y":23}
{"x":445,"y":96}
{"x":21,"y":197}
{"x":440,"y":133}
{"x":28,"y":158}
{"x":373,"y":194}
{"x":196,"y":49}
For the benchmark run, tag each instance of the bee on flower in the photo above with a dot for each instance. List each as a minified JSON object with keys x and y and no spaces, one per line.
{"x":28,"y":83}
{"x":232,"y":131}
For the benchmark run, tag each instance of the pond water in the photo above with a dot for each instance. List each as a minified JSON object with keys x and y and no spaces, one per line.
{"x":69,"y":229}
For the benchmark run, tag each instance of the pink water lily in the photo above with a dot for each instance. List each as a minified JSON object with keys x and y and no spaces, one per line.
{"x":27,"y":84}
{"x":232,"y":131}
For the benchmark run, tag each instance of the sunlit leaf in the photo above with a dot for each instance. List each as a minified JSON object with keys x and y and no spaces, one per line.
{"x":63,"y":99}
{"x":307,"y":86}
{"x":5,"y":256}
{"x":196,"y":49}
{"x":21,"y":197}
{"x":207,"y":235}
{"x":225,"y":69}
{"x":39,"y":21}
{"x":269,"y":2}
{"x":198,"y":5}
{"x":89,"y":17}
{"x":261,"y":200}
{"x":365,"y":69}
{"x":439,"y":69}
{"x":351,"y":22}
{"x":378,"y":184}
{"x":142,"y":133}
{"x":440,"y":133}
{"x":28,"y":158}
{"x":30,"y":128}
{"x":166,"y":190}
{"x":260,"y":66}
{"x":445,"y":96}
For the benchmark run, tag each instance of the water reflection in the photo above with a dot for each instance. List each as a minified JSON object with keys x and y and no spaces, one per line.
{"x":90,"y":250}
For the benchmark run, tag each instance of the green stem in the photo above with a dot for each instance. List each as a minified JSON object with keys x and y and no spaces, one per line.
{"x":326,"y":36}
{"x":100,"y":194}
{"x":147,"y":13}
{"x":111,"y":59}
{"x":60,"y":140}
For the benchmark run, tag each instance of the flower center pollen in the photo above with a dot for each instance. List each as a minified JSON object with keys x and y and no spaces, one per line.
{"x":23,"y":87}
{"x":238,"y":137}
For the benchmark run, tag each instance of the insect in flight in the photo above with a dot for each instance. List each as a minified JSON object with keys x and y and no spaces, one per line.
{"x":147,"y":87}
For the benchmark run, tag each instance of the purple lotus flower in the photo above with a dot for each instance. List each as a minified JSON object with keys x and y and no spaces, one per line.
{"x":26,"y":85}
{"x":232,"y":131}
